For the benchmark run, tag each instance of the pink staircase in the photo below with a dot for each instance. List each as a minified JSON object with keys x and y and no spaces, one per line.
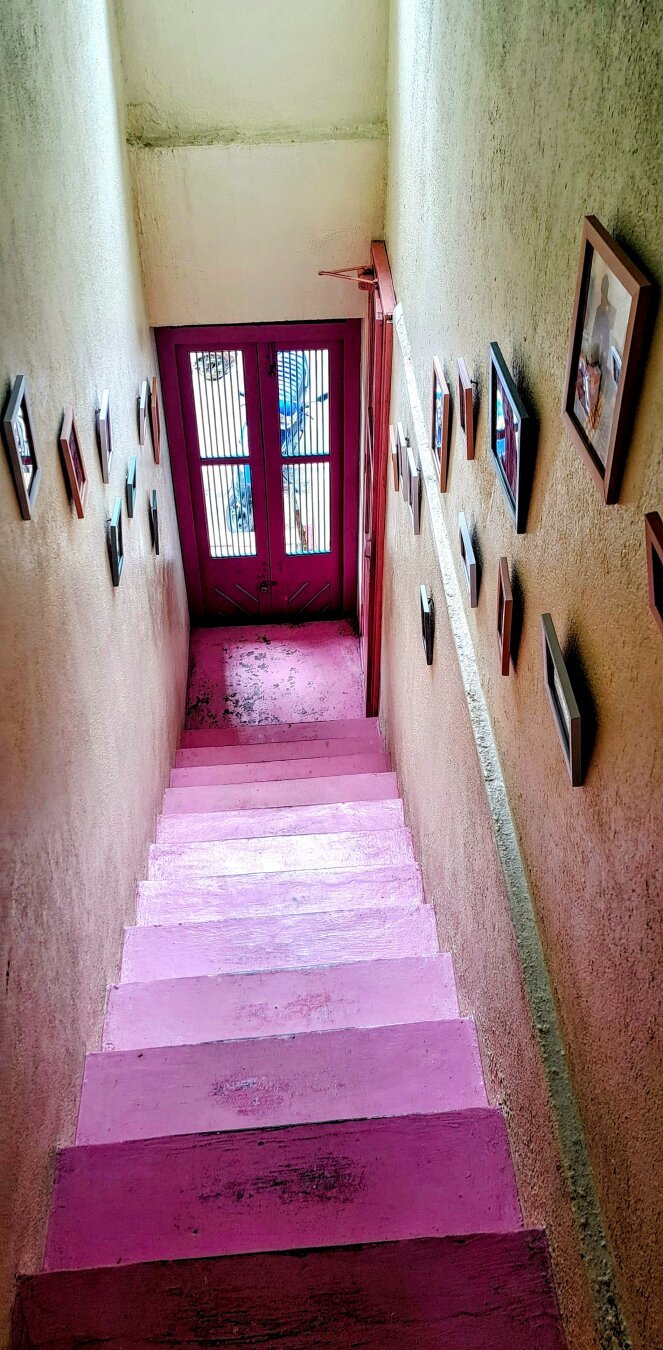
{"x":285,"y":1140}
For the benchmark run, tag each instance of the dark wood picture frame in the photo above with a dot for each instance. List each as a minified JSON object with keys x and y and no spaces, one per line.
{"x":609,"y":374}
{"x":402,"y":458}
{"x":142,"y":400}
{"x":414,"y":489}
{"x":465,"y":407}
{"x":440,"y":426}
{"x":155,"y":419}
{"x":563,"y":702}
{"x":153,"y":507}
{"x":21,"y":447}
{"x":105,"y":435}
{"x":131,"y":486}
{"x":514,"y":424}
{"x":427,"y":606}
{"x":654,"y":546}
{"x":468,"y":560}
{"x":395,"y":460}
{"x":116,"y":542}
{"x":504,"y":615}
{"x":74,"y":463}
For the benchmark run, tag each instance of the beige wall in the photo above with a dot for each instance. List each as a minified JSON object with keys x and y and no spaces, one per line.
{"x":92,"y":678}
{"x":258,"y":153}
{"x":504,"y":132}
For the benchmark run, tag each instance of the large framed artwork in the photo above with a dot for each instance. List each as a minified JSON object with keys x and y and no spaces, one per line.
{"x":509,"y":437}
{"x":21,"y":449}
{"x":609,"y":331}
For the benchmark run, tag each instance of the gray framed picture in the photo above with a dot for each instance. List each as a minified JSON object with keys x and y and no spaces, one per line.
{"x":154,"y":518}
{"x":563,"y":702}
{"x":116,"y":542}
{"x":131,"y":486}
{"x":509,"y":438}
{"x":468,"y":560}
{"x":21,"y":449}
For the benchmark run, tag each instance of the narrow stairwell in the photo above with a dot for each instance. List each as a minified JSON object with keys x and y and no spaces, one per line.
{"x":285,"y":1140}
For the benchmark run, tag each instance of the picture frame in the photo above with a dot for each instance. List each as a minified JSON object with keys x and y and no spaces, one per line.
{"x":654,"y":546}
{"x":153,"y":506}
{"x":155,"y":419}
{"x":612,"y":309}
{"x":509,"y":438}
{"x":402,"y":458}
{"x":74,"y":463}
{"x":563,"y":702}
{"x":105,"y":435}
{"x":440,"y":424}
{"x":395,"y":461}
{"x":465,"y":407}
{"x":143,"y":397}
{"x":116,"y":542}
{"x":468,"y":560}
{"x":131,"y":486}
{"x":427,"y":606}
{"x":21,"y":447}
{"x":504,"y":615}
{"x":414,"y":489}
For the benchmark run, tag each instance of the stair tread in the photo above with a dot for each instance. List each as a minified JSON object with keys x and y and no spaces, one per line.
{"x":192,"y":757}
{"x":333,"y":766}
{"x":347,"y":848}
{"x":190,"y":827}
{"x":265,"y":1190}
{"x":266,"y":732}
{"x":352,"y":787}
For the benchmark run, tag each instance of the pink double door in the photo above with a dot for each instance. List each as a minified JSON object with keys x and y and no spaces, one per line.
{"x":263,"y":427}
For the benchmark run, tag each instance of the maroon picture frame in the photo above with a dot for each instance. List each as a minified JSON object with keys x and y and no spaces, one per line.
{"x":504,"y":615}
{"x":74,"y":463}
{"x":155,"y":419}
{"x":441,"y":453}
{"x":654,"y":546}
{"x":465,"y":407}
{"x":595,"y":239}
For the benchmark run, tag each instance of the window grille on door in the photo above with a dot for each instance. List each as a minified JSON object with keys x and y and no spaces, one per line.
{"x":303,"y":392}
{"x":223,"y":440}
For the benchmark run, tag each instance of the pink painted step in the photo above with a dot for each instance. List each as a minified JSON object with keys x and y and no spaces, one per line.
{"x":367,"y":761}
{"x":368,"y":848}
{"x":355,"y":787}
{"x":198,"y":1008}
{"x":364,"y":729}
{"x":490,"y":1291}
{"x":195,"y":827}
{"x":278,"y":893}
{"x":268,"y":1190}
{"x":280,"y":1080}
{"x":206,"y":755}
{"x":272,"y":943}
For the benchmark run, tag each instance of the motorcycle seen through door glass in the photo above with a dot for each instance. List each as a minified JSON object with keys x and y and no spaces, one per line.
{"x":303,"y":390}
{"x":223,"y":437}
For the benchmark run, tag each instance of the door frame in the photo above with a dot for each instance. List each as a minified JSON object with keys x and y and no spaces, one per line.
{"x":345,"y":331}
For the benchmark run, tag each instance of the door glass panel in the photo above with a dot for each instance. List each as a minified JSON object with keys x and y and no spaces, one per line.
{"x":228,"y":494}
{"x":306,"y":507}
{"x":220,"y":403}
{"x":303,"y":379}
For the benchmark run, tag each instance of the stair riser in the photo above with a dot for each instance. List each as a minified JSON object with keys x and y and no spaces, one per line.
{"x":364,"y":730}
{"x":312,"y":852}
{"x":218,"y":825}
{"x":365,"y":762}
{"x":206,"y":756}
{"x":358,"y":787}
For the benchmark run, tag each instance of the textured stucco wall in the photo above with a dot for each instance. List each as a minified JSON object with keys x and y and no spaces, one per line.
{"x":92,"y":678}
{"x":258,"y":153}
{"x":505,"y":130}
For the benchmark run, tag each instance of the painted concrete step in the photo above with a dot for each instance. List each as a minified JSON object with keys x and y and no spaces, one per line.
{"x":200,"y":1008}
{"x":278,"y":893}
{"x":357,"y":787}
{"x":326,"y":747}
{"x":199,"y":827}
{"x":367,"y":848}
{"x":274,"y":943}
{"x":490,"y":1291}
{"x":363,"y":729}
{"x":368,"y":761}
{"x":270,"y":1190}
{"x":356,"y":1073}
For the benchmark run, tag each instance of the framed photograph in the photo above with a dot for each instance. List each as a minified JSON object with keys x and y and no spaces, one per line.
{"x":654,"y":543}
{"x":414,"y":489}
{"x":468,"y":559}
{"x":142,"y":412}
{"x":607,"y":346}
{"x":465,"y":406}
{"x":155,"y":419}
{"x":154,"y":518}
{"x":395,"y":462}
{"x":440,"y":424}
{"x":504,"y":615}
{"x":74,"y":464}
{"x":21,"y":449}
{"x":402,"y":458}
{"x":105,"y":435}
{"x":427,"y":623}
{"x":116,"y":542}
{"x":509,"y":438}
{"x":562,"y":699}
{"x":131,"y":486}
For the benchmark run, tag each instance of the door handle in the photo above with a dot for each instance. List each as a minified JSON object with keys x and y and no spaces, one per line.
{"x":264,"y":586}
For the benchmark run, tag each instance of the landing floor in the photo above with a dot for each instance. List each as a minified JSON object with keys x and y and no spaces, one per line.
{"x":277,"y":673}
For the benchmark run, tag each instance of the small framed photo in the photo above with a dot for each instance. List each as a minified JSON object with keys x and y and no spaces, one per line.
{"x":74,"y":464}
{"x":414,"y":489}
{"x":427,"y":623}
{"x":154,"y":518}
{"x":395,"y":462}
{"x":509,"y":438}
{"x":504,"y":615}
{"x":142,"y":412}
{"x":402,"y":458}
{"x":562,"y":699}
{"x":607,"y":346}
{"x":468,"y":559}
{"x":440,"y":424}
{"x":654,"y":543}
{"x":21,"y":449}
{"x":105,"y":435}
{"x":155,"y":419}
{"x":116,"y":542}
{"x":131,"y":486}
{"x":465,"y":406}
